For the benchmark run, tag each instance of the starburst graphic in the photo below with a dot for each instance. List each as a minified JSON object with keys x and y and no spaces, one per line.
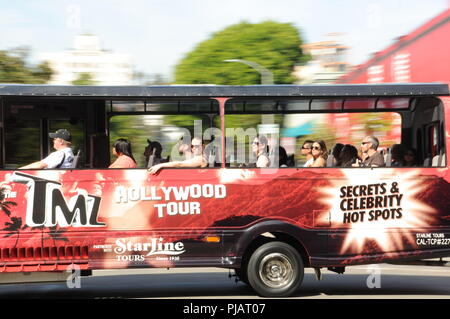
{"x":386,"y":219}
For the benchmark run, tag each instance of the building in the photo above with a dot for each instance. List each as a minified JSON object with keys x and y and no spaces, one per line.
{"x":421,"y":56}
{"x":328,"y":61}
{"x":87,"y":57}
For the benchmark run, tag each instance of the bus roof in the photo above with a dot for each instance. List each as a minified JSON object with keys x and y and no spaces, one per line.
{"x":338,"y":90}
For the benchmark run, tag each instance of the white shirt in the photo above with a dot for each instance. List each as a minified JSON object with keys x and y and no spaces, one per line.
{"x":309,"y":162}
{"x":54,"y":159}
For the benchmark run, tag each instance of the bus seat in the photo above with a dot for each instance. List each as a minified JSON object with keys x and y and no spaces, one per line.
{"x":330,"y":159}
{"x":166,"y":160}
{"x":441,"y":161}
{"x":388,"y":159}
{"x":387,"y":156}
{"x":151,"y":160}
{"x":212,"y":157}
{"x":426,"y":162}
{"x":76,"y":159}
{"x":435,"y":161}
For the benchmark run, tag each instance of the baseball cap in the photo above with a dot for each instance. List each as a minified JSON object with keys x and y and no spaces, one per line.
{"x":61,"y":133}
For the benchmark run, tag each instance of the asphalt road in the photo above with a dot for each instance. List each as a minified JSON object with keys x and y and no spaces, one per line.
{"x":366,"y":282}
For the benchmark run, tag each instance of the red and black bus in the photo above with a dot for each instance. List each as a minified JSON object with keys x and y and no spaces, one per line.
{"x":266,"y":223}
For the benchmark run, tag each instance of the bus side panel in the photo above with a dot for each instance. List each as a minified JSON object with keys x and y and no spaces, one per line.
{"x":128,"y":218}
{"x":180,"y":217}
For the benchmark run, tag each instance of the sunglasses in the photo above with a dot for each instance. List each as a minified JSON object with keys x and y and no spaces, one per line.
{"x":316,"y":148}
{"x":364,"y":143}
{"x":255,"y":143}
{"x":195,"y":146}
{"x":306,"y":148}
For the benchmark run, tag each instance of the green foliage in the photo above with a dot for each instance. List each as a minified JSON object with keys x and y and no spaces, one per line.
{"x":275,"y":46}
{"x":83,"y":79}
{"x":14,"y":69}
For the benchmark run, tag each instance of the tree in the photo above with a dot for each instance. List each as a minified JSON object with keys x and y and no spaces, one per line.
{"x":83,"y":79}
{"x":14,"y":68}
{"x":273,"y":45}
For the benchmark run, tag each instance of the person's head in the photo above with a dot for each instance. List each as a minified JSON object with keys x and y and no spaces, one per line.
{"x":369,"y":143}
{"x":307,"y":147}
{"x":61,"y":139}
{"x":348,"y":155}
{"x":183,"y":146}
{"x":336,"y":151}
{"x":153,"y":148}
{"x":397,"y":153}
{"x":319,"y":149}
{"x":123,"y":147}
{"x":259,"y":144}
{"x":197,"y":146}
{"x":410,"y":157}
{"x":282,"y":156}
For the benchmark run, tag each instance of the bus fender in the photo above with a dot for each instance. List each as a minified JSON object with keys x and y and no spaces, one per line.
{"x":268,"y":229}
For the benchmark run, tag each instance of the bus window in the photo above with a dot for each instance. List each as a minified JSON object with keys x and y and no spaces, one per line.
{"x":290,"y":131}
{"x":22,"y":142}
{"x":164,"y":129}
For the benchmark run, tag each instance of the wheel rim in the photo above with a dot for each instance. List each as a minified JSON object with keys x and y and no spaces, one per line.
{"x":276,"y":270}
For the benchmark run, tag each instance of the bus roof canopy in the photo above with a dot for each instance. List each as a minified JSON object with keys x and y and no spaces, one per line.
{"x":170,"y":91}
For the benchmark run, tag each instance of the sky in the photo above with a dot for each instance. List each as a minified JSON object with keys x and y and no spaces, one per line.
{"x":159,"y":33}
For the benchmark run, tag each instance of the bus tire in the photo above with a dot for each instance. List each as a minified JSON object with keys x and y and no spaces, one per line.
{"x":275,"y":269}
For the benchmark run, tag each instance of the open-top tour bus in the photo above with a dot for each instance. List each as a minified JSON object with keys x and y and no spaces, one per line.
{"x":267,"y":224}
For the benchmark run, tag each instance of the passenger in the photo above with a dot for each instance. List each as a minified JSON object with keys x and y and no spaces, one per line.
{"x":153,"y":149}
{"x":198,"y":159}
{"x":61,"y":158}
{"x":348,"y":156}
{"x":307,"y":151}
{"x":336,"y":151}
{"x":319,"y":153}
{"x":282,"y":157}
{"x":371,"y":158}
{"x":410,"y":158}
{"x":397,"y":153}
{"x":125,"y":159}
{"x":260,"y":149}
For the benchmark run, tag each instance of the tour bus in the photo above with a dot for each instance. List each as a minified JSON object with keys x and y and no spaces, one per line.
{"x":266,"y":223}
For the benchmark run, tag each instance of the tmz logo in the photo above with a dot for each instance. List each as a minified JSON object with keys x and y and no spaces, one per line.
{"x":48,"y":207}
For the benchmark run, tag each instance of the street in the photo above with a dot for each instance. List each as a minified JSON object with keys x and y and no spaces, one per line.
{"x":386,"y":282}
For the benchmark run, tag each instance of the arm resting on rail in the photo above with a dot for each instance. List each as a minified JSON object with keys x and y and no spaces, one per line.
{"x":197,"y":161}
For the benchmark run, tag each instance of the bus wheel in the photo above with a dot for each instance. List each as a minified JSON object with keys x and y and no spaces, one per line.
{"x":275,"y":269}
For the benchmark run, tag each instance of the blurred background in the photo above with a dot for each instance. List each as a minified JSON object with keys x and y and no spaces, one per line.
{"x":233,"y":42}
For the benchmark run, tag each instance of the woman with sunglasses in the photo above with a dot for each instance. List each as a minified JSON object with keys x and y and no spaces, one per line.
{"x":306,"y":151}
{"x":198,"y":158}
{"x":260,"y":149}
{"x":319,"y":153}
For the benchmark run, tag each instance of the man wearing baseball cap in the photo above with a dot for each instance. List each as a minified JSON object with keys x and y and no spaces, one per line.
{"x":61,"y":158}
